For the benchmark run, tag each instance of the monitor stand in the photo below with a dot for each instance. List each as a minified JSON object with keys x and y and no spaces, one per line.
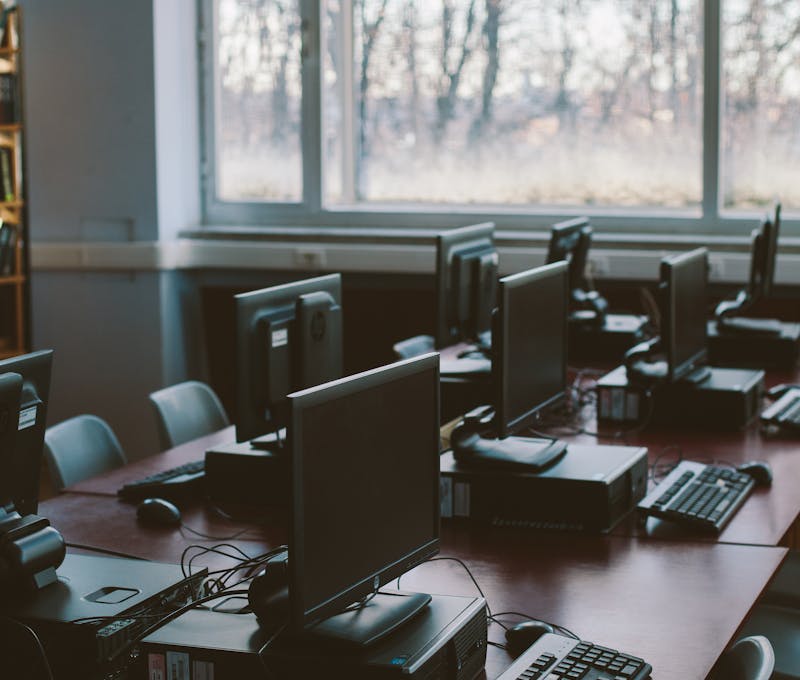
{"x":523,"y":454}
{"x":376,"y":619}
{"x":274,"y":441}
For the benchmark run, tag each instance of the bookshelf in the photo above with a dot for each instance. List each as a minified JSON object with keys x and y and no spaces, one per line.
{"x":14,"y":258}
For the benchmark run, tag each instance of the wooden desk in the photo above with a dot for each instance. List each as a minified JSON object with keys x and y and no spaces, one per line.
{"x":677,"y":604}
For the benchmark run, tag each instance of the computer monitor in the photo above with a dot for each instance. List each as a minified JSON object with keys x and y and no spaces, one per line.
{"x":570,"y":241}
{"x":19,"y":469}
{"x":288,"y":337}
{"x":466,"y":284}
{"x":10,"y":390}
{"x":683,"y":283}
{"x":763,"y":253}
{"x":365,"y":497}
{"x":529,"y":365}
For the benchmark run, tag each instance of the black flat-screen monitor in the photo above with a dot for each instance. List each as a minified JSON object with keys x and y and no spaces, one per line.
{"x":288,"y":337}
{"x":529,"y":362}
{"x":19,"y":469}
{"x":365,"y":488}
{"x":10,"y":390}
{"x":466,"y":284}
{"x":683,"y":287}
{"x":570,"y":241}
{"x":763,"y":255}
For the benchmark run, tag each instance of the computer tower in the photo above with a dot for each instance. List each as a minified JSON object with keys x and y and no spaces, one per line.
{"x":758,"y":350}
{"x":88,"y":619}
{"x":446,"y":641}
{"x":590,"y":489}
{"x":608,"y":341}
{"x":729,"y":398}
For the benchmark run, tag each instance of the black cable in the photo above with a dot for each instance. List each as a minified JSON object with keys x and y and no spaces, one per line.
{"x":212,"y":538}
{"x":105,"y":551}
{"x":39,"y":646}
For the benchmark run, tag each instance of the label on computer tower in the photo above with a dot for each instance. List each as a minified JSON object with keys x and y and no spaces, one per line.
{"x":202,"y":670}
{"x":446,"y":496}
{"x":156,"y":668}
{"x":280,"y":337}
{"x":27,"y":417}
{"x":178,"y":667}
{"x":461,"y":499}
{"x":617,"y":404}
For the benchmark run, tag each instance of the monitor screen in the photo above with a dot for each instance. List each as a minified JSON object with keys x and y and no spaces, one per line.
{"x":771,"y":231}
{"x":529,"y":361}
{"x":10,"y":389}
{"x":20,"y":470}
{"x":466,"y":283}
{"x":365,"y":484}
{"x":570,"y":241}
{"x":684,"y":279}
{"x":288,"y":337}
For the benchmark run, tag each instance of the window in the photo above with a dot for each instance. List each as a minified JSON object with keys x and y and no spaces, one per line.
{"x":417,"y":112}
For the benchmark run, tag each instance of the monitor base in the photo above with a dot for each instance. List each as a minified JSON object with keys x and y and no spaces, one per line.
{"x":379,"y":617}
{"x":517,"y":453}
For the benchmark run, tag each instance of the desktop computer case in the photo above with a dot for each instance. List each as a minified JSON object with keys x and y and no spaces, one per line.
{"x":590,"y":489}
{"x":757,"y":350}
{"x":728,"y":399}
{"x":94,"y":586}
{"x":446,"y":641}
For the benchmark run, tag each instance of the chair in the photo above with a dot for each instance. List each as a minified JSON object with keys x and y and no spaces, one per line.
{"x":414,"y":347}
{"x":781,"y":625}
{"x":784,"y":589}
{"x":750,"y":658}
{"x":81,"y":447}
{"x":187,"y":411}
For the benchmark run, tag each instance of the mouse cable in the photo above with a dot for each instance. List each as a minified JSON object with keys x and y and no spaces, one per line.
{"x":209,"y":537}
{"x":105,"y":551}
{"x":561,"y":629}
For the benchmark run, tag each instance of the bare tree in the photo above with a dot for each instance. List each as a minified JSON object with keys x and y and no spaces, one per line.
{"x":451,"y":77}
{"x":491,"y":34}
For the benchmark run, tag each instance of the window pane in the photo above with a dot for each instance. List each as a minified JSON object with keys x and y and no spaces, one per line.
{"x":257,"y":101}
{"x":523,"y":102}
{"x":761,"y":109}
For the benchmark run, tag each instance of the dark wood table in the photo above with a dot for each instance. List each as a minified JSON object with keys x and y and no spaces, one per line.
{"x":677,"y":604}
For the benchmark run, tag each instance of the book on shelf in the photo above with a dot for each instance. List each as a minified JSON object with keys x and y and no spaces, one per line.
{"x":10,"y":28}
{"x":8,"y":98}
{"x":8,"y":242}
{"x":6,"y":179}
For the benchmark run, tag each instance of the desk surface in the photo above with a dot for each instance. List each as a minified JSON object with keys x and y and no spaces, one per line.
{"x":677,"y":604}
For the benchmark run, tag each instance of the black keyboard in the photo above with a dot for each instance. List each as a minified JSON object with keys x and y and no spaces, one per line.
{"x":553,"y":657}
{"x":179,"y":482}
{"x":702,"y":496}
{"x":785,"y":412}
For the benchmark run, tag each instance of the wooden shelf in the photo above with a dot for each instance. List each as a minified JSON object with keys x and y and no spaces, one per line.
{"x":11,"y":204}
{"x":9,"y":51}
{"x":10,"y":127}
{"x":10,"y":280}
{"x":8,"y":353}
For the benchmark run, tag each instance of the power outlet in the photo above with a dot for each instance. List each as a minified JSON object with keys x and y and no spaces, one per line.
{"x":716,"y":268}
{"x":597,"y":266}
{"x":309,"y":258}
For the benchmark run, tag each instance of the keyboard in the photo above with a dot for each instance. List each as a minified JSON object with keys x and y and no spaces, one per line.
{"x":177,"y":482}
{"x":704,"y":497}
{"x":553,"y":657}
{"x":784,"y":412}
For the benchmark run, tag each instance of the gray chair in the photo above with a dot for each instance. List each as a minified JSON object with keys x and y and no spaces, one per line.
{"x":81,"y":447}
{"x":751,"y":658}
{"x":414,"y":347}
{"x":784,"y":589}
{"x":187,"y":411}
{"x":781,"y":625}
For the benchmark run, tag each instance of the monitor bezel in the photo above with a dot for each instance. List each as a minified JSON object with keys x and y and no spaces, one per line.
{"x":249,"y":307}
{"x":671,"y":268}
{"x":502,"y":364}
{"x":301,"y":617}
{"x":36,"y":368}
{"x":447,"y":244}
{"x":771,"y":232}
{"x":579,"y":229}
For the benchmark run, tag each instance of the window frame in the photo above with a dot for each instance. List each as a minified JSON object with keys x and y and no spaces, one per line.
{"x":710,"y":218}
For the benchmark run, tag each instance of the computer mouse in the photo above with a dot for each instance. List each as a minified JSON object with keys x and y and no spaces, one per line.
{"x":523,"y":635}
{"x":761,"y":472}
{"x":158,"y":512}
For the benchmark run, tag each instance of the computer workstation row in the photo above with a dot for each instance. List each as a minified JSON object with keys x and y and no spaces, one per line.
{"x":513,"y":333}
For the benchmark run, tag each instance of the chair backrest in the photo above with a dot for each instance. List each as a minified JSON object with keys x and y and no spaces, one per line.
{"x":414,"y":347}
{"x":187,"y":411}
{"x":81,"y":447}
{"x":751,"y":658}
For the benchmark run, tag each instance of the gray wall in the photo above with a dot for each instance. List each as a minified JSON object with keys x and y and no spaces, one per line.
{"x":96,"y":106}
